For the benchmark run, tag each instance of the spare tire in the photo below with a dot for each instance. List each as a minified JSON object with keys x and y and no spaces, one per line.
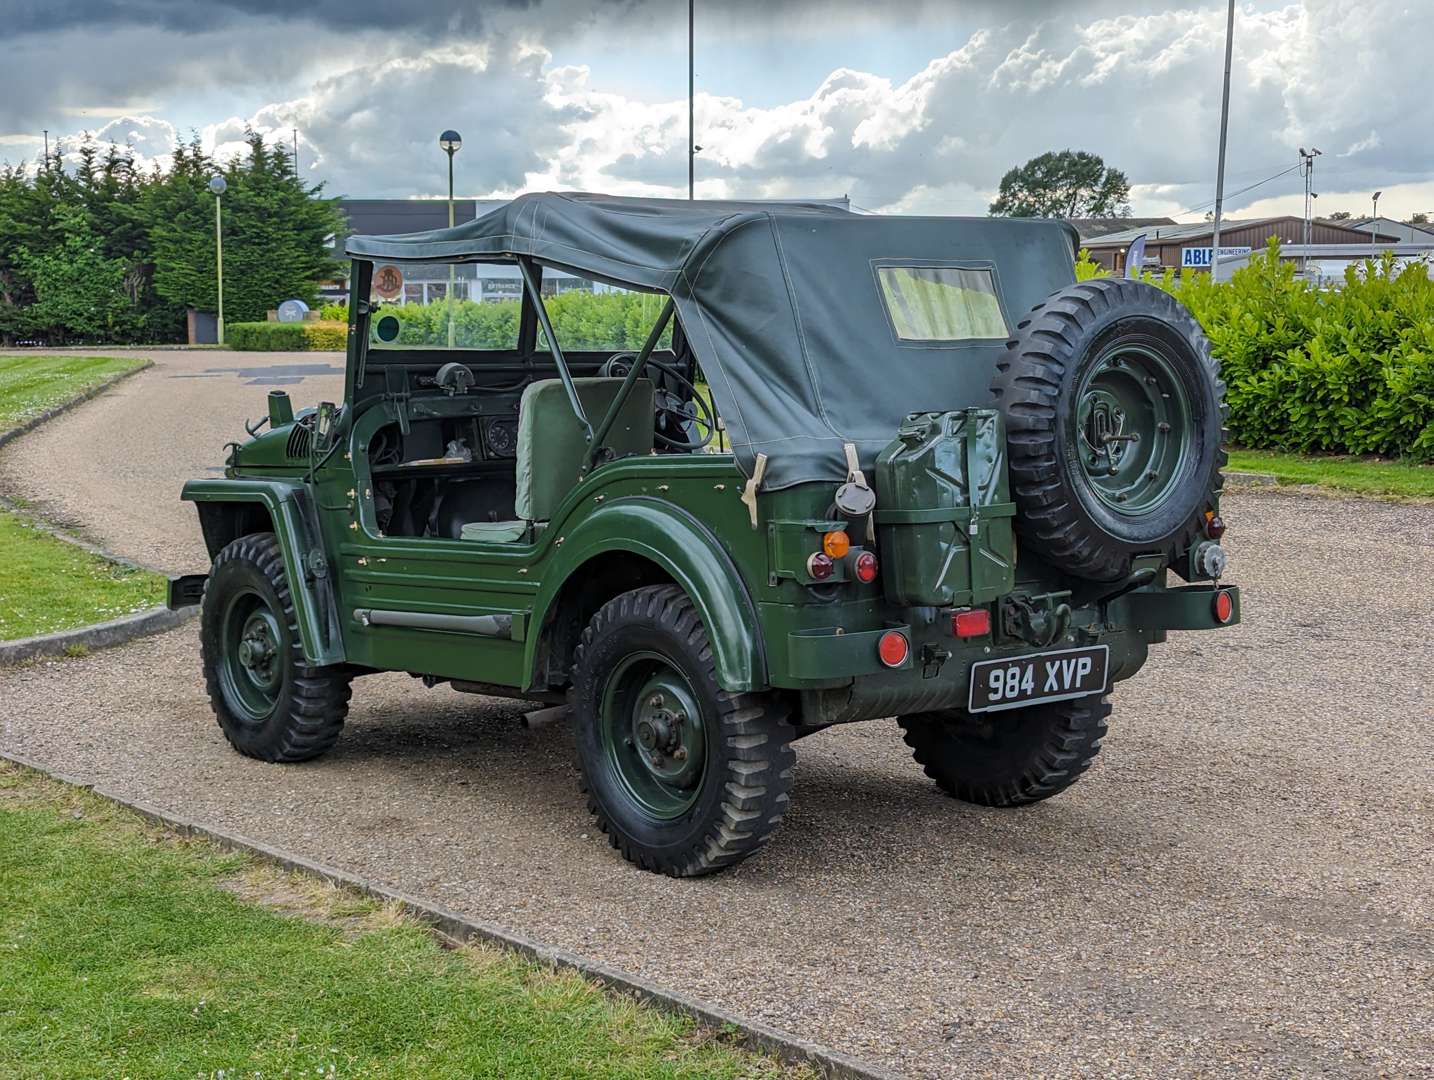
{"x":1115,"y":426}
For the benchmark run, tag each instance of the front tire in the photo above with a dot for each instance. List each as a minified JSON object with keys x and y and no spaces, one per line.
{"x":1009,"y":758}
{"x":269,"y":704}
{"x":684,"y":777}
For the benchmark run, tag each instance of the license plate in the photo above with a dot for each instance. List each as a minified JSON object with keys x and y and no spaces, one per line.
{"x":1026,"y":680}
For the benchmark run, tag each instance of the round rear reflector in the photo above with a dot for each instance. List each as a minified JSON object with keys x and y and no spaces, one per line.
{"x":865,"y":567}
{"x":820,"y":566}
{"x":1224,"y":607}
{"x":892,"y":648}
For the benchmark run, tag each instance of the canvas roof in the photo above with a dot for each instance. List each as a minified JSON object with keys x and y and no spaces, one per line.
{"x":780,"y":303}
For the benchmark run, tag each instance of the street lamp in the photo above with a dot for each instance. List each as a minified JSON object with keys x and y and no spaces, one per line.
{"x":450,"y":141}
{"x":1377,"y":194}
{"x":218,"y":186}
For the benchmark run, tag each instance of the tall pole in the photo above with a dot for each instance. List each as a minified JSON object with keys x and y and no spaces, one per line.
{"x":691,"y":107}
{"x":1224,"y":132}
{"x":47,"y":149}
{"x":296,"y":151}
{"x":452,"y":327}
{"x":219,"y":261}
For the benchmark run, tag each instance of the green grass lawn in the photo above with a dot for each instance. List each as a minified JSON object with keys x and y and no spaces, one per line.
{"x":128,"y":952}
{"x":31,"y":384}
{"x":48,"y":585}
{"x":1362,"y":476}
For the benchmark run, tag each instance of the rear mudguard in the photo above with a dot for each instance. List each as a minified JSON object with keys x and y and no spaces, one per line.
{"x":690,"y":554}
{"x":290,"y":509}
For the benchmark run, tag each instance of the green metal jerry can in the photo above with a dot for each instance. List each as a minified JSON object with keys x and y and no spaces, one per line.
{"x":944,"y":516}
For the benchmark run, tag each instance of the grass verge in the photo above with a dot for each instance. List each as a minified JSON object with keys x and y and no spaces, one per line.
{"x":1360,"y":476}
{"x":30,"y":385}
{"x":49,"y":585}
{"x":127,"y":951}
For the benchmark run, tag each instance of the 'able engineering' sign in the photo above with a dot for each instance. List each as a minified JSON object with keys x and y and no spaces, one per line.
{"x":1196,"y":258}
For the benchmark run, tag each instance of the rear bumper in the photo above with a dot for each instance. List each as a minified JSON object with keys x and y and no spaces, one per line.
{"x":185,"y":591}
{"x":1190,"y":607}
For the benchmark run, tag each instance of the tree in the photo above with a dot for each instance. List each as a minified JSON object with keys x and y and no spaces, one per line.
{"x":1064,"y":184}
{"x":1340,"y":215}
{"x":1420,"y":218}
{"x":79,"y":291}
{"x":275,"y":233}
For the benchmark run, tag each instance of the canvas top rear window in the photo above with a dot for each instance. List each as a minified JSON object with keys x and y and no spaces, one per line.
{"x":942,"y":303}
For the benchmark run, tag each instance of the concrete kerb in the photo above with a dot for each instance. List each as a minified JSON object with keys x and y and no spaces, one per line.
{"x":453,"y":928}
{"x":85,"y":639}
{"x":65,"y":406}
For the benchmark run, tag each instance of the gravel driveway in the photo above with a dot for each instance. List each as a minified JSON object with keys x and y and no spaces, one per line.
{"x":1242,"y":885}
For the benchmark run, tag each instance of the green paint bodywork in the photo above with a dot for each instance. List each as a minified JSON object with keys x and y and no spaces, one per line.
{"x":507,"y":614}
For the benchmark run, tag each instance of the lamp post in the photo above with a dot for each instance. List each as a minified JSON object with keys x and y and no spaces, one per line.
{"x":1375,"y":218}
{"x":1307,"y":161}
{"x":450,"y":141}
{"x":1224,"y":131}
{"x":217,"y":185}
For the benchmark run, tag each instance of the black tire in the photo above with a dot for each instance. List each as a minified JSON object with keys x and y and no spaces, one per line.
{"x":1049,"y":386}
{"x":271,"y":706}
{"x":710,"y":817}
{"x":1009,"y":758}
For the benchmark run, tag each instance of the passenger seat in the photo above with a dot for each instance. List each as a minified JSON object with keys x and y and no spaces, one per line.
{"x":551,"y":449}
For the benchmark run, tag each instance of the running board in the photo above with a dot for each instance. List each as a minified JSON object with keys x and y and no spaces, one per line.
{"x":482,"y":625}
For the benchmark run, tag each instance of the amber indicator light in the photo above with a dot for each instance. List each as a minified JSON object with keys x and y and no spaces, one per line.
{"x":836,"y":544}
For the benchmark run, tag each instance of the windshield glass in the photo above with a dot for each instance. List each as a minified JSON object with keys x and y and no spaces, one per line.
{"x":941,"y":303}
{"x":435,"y":306}
{"x":592,"y":316}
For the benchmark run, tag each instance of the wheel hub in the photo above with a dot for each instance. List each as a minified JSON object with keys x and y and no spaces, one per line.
{"x":1131,"y":411}
{"x":253,"y":669}
{"x":655,"y":736}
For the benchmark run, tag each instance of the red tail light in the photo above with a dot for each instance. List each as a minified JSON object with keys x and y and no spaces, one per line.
{"x":973,"y":623}
{"x":865,"y":568}
{"x":893,"y":648}
{"x":1224,"y":607}
{"x":820,"y":566}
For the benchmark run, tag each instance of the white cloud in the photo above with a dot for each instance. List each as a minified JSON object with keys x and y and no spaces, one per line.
{"x":1141,"y":89}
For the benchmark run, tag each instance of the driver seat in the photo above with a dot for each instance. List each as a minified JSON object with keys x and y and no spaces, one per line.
{"x":551,"y":448}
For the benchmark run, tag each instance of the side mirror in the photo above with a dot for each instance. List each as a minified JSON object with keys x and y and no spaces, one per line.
{"x":325,"y":423}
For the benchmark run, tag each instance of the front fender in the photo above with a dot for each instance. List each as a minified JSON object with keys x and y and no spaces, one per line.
{"x":691,"y":555}
{"x":296,"y":526}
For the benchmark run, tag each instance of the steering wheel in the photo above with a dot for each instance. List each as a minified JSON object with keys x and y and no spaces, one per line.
{"x":669,"y":404}
{"x":695,"y":408}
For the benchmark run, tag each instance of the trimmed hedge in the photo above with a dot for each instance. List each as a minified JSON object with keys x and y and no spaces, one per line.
{"x":1347,"y":370}
{"x":286,"y":337}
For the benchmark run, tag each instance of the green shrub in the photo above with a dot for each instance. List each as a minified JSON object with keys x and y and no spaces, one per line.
{"x":1348,"y":370}
{"x":286,"y":337}
{"x":325,"y":336}
{"x":265,"y":336}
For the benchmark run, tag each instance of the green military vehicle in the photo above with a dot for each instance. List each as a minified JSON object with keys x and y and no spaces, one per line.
{"x":862,"y":467}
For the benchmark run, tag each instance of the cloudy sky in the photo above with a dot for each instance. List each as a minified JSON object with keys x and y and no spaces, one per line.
{"x":911,"y":106}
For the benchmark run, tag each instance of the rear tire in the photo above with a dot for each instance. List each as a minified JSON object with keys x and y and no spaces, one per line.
{"x":269,"y":704}
{"x":684,"y":777}
{"x":1009,"y":758}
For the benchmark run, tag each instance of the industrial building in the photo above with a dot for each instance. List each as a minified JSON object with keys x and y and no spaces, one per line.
{"x":1190,"y":246}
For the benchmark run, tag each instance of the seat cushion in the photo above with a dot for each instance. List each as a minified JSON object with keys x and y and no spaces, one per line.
{"x":495,"y":532}
{"x":550,"y":439}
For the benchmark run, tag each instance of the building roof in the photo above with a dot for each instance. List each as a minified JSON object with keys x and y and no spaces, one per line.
{"x":1187,"y":231}
{"x":1405,"y":231}
{"x":1090,"y":228}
